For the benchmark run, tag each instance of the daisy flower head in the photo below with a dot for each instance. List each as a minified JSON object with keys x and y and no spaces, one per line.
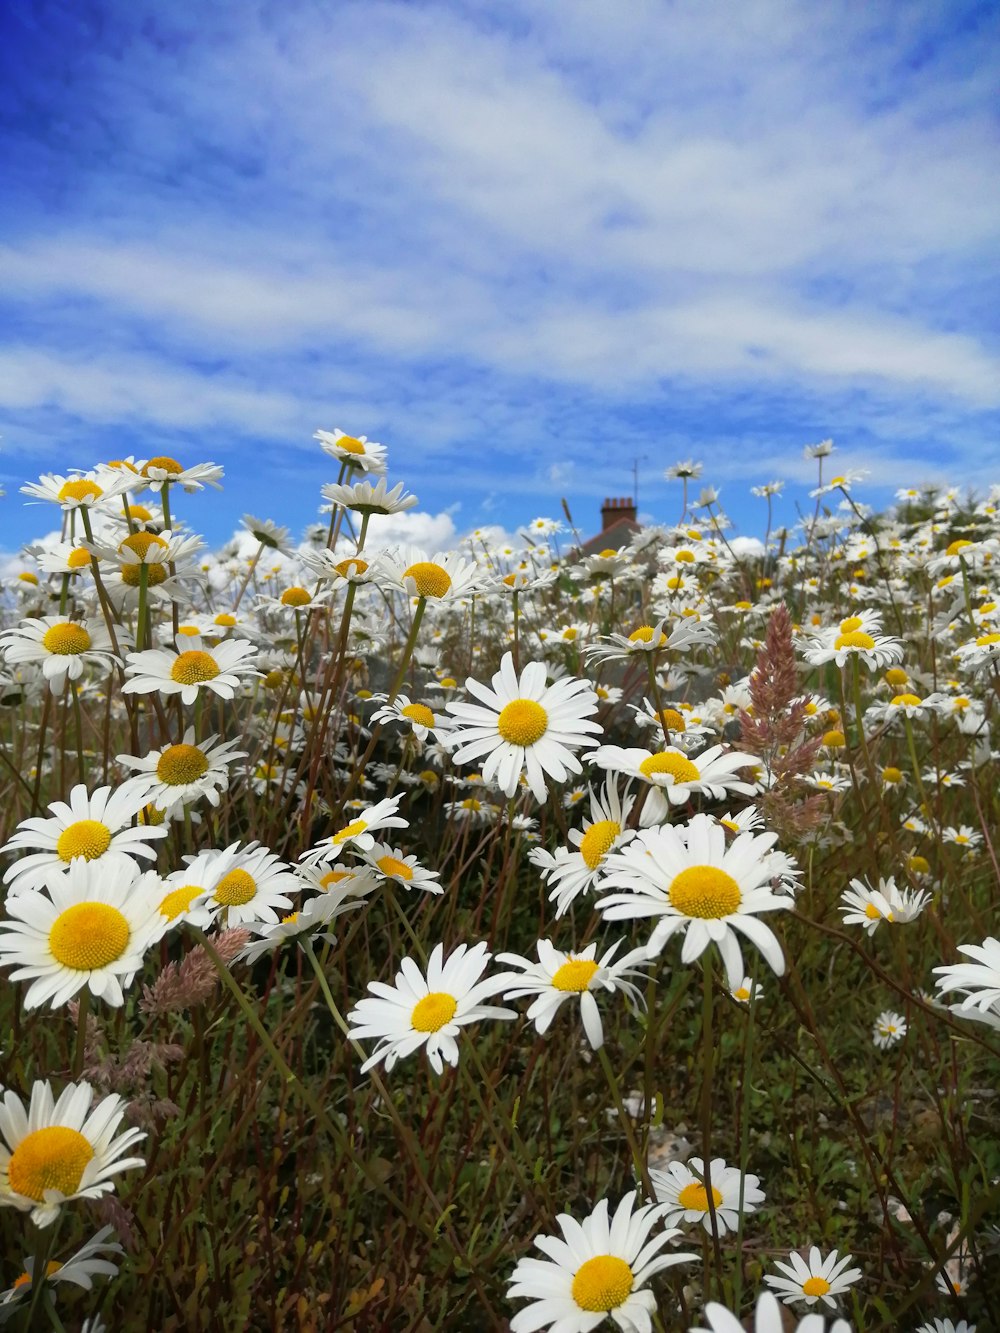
{"x":689,"y":879}
{"x":946,"y":1326}
{"x":362,"y":497}
{"x":165,"y":471}
{"x":221,"y":669}
{"x":62,"y":647}
{"x":91,"y":929}
{"x":686,"y":633}
{"x":868,"y":907}
{"x":523,"y":725}
{"x":855,"y":639}
{"x":315,"y":913}
{"x":56,"y":1151}
{"x":558,"y":977}
{"x":747,"y":990}
{"x":417,"y":717}
{"x":356,"y":451}
{"x":596,"y":1268}
{"x":888,"y":1029}
{"x":183,"y":894}
{"x":80,"y":1269}
{"x":88,"y":490}
{"x":186,"y":772}
{"x":980,"y":653}
{"x":428,"y":1009}
{"x":821,"y":1279}
{"x":677,"y":776}
{"x":96,"y":827}
{"x":438,"y":578}
{"x":576,"y":869}
{"x":357,"y":835}
{"x":683,"y":1188}
{"x":980,"y":980}
{"x":688,"y":470}
{"x":393,"y":863}
{"x":254,"y":887}
{"x":268,"y":533}
{"x":767,"y":1319}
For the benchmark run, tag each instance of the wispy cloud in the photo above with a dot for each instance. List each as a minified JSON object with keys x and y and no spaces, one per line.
{"x":526,"y":245}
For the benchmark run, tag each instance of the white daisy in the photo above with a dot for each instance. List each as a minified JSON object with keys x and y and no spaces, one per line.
{"x":254,"y":887}
{"x":889,"y":1028}
{"x":525,"y":726}
{"x":868,"y":907}
{"x":438,"y":578}
{"x":186,"y":772}
{"x":392,"y":863}
{"x":428,"y":1010}
{"x":61,"y":1150}
{"x":89,"y":490}
{"x":220,"y":668}
{"x":362,"y":497}
{"x":96,"y":827}
{"x":558,"y":976}
{"x":414,"y":716}
{"x":92,"y":928}
{"x":854,"y":639}
{"x":946,"y":1326}
{"x":573,"y":871}
{"x":357,"y":835}
{"x":979,"y":980}
{"x":818,"y":1280}
{"x":89,"y":1261}
{"x":62,"y":647}
{"x":767,"y":1319}
{"x":683,"y":1188}
{"x":315,"y":912}
{"x":694,"y":883}
{"x":357,"y":451}
{"x":676,"y":775}
{"x":598,"y":1267}
{"x":687,"y":633}
{"x":165,"y":471}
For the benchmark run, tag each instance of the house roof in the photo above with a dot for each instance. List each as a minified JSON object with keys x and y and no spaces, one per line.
{"x":612,"y":538}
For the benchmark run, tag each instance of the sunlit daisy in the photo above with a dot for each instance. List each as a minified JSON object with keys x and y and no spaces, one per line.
{"x":868,"y":907}
{"x":91,"y":929}
{"x":683,"y":1188}
{"x":254,"y":888}
{"x":165,"y":471}
{"x":438,"y":578}
{"x":414,"y":716}
{"x":821,"y":1279}
{"x":768,"y":1318}
{"x":221,"y":669}
{"x":186,"y":772}
{"x":61,"y":647}
{"x":525,"y":726}
{"x":97,"y":827}
{"x":598,"y":1268}
{"x":684,"y":635}
{"x":980,"y":980}
{"x":428,"y":1009}
{"x":852,"y":641}
{"x":678,"y":776}
{"x":689,"y":879}
{"x":90,"y":490}
{"x":357,"y":834}
{"x":576,"y":869}
{"x":357,"y":451}
{"x":56,"y":1151}
{"x":392,"y":863}
{"x":558,"y":977}
{"x":361,"y":497}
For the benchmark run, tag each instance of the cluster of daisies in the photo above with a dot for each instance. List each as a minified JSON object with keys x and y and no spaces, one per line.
{"x":243,"y":679}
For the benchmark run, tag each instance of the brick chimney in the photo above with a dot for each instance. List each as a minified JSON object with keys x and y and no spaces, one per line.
{"x":615,"y":509}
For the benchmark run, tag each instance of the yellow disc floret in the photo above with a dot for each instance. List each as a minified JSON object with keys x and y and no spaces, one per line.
{"x":81,"y":490}
{"x":349,"y":568}
{"x":418,"y":713}
{"x":139,"y":543}
{"x":432,"y":1012}
{"x":602,"y":1283}
{"x":87,"y":936}
{"x":79,"y":559}
{"x":431,"y":580}
{"x":194,"y":666}
{"x":235,"y":889}
{"x":53,"y":1158}
{"x":295,"y":597}
{"x":523,"y":722}
{"x":162,"y":463}
{"x":66,"y":640}
{"x":350,"y":445}
{"x":815,"y":1286}
{"x":179,"y":900}
{"x":575,"y":974}
{"x":596,"y":842}
{"x":87,"y":837}
{"x":677,"y":766}
{"x":695,"y":1196}
{"x":855,"y":638}
{"x":391,"y":865}
{"x":181,"y":764}
{"x":705,"y":892}
{"x":351,"y":831}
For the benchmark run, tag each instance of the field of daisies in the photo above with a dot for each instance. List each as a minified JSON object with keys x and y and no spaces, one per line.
{"x":511,"y":938}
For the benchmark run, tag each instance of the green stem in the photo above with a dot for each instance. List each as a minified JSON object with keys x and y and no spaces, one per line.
{"x":638,"y":1160}
{"x":411,"y":640}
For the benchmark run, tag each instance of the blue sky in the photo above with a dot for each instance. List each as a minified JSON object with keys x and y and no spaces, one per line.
{"x":522,"y":244}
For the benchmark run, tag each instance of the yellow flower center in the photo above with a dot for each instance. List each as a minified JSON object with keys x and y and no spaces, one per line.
{"x":705,"y":892}
{"x":290,"y":919}
{"x":575,"y":974}
{"x":295,"y":597}
{"x":87,"y":837}
{"x":837,"y":481}
{"x":675,"y":582}
{"x":430,"y":579}
{"x":350,"y":445}
{"x":194,"y":666}
{"x":333,"y":877}
{"x":88,"y":936}
{"x":685,"y":557}
{"x":448,"y":682}
{"x":139,"y":543}
{"x":644,"y":634}
{"x":673,"y":720}
{"x":53,"y":1158}
{"x":834,"y":739}
{"x":353,"y":566}
{"x":351,"y":831}
{"x":26,"y":576}
{"x":896,"y":676}
{"x":162,"y":464}
{"x":957,"y":546}
{"x":81,"y":490}
{"x":179,"y":900}
{"x":849,"y":625}
{"x":180,"y":764}
{"x":872,"y":912}
{"x":597,"y":840}
{"x":855,"y":638}
{"x":602,"y":1283}
{"x":155,"y":571}
{"x":902,"y":700}
{"x":695,"y":1195}
{"x":419,"y":713}
{"x":742,"y":606}
{"x":985,"y":640}
{"x":523,"y":722}
{"x":815,"y":1286}
{"x":235,"y":889}
{"x":677,"y":766}
{"x":225,"y":619}
{"x":742,"y":993}
{"x":432,"y":1012}
{"x":892,"y":775}
{"x":79,"y":559}
{"x":391,"y":865}
{"x":66,"y":640}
